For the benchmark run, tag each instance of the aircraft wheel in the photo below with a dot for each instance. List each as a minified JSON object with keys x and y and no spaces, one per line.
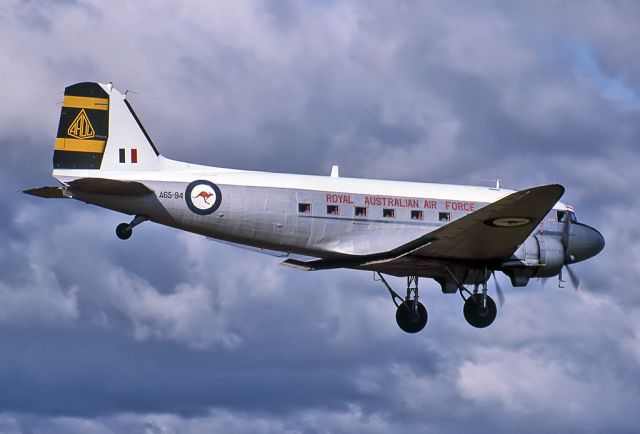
{"x":409,"y":320}
{"x":478,"y":316}
{"x":123,"y":231}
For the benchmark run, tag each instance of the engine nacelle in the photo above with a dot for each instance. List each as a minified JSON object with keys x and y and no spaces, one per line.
{"x":538,"y":256}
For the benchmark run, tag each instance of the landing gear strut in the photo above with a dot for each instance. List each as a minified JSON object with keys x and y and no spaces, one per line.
{"x":411,"y":315}
{"x":125,"y":230}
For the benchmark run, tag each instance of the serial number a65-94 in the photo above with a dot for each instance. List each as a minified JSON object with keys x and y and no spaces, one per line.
{"x":171,"y":195}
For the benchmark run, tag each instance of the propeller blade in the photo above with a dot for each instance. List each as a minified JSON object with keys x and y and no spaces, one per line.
{"x":575,"y":280}
{"x":566,"y":228}
{"x":498,"y":289}
{"x":566,"y":237}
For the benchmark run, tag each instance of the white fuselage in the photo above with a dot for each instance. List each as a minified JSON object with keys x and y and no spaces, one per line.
{"x":311,"y":215}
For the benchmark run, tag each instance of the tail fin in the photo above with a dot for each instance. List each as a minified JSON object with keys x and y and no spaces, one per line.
{"x":99,"y":130}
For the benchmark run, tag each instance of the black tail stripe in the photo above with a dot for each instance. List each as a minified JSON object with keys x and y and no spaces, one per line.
{"x":89,"y":89}
{"x":99,"y":120}
{"x":76,"y":160}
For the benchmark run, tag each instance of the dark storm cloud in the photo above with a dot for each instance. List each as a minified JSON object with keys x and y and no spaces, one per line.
{"x":170,"y":332}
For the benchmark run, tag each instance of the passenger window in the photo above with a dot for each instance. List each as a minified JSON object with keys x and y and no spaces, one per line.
{"x":444,"y":216}
{"x":304,"y":208}
{"x":389,"y":213}
{"x":361,"y":211}
{"x":333,"y":210}
{"x":417,"y":215}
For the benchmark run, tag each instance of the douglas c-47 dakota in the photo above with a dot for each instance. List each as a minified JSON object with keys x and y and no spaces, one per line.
{"x":457,"y":235}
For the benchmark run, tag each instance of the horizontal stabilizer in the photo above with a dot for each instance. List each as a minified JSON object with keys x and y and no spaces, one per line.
{"x":47,"y":192}
{"x":110,"y":186}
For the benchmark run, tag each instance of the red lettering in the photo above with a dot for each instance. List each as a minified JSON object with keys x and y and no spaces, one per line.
{"x":460,"y":206}
{"x":340,"y":198}
{"x":431,"y":204}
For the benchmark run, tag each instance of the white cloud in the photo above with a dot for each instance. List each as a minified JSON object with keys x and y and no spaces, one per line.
{"x":187,"y":315}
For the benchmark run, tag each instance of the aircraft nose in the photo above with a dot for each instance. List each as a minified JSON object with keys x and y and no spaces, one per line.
{"x":586,"y":242}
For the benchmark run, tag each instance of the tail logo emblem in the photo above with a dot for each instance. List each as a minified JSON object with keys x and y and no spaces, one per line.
{"x":81,"y":127}
{"x":203,"y":197}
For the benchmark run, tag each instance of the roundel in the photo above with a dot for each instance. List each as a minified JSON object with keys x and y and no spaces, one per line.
{"x":203,"y":197}
{"x":509,"y":222}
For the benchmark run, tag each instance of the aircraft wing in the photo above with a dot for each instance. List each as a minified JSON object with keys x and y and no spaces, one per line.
{"x":495,"y":231}
{"x":491,"y":233}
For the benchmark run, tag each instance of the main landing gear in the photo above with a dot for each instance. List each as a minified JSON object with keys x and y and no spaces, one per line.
{"x":411,"y":315}
{"x":479,"y":308}
{"x":125,"y":230}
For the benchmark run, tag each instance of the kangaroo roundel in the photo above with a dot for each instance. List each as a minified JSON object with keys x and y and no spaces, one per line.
{"x":203,"y":197}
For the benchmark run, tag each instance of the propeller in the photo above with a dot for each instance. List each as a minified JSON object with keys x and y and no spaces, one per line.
{"x":498,"y":289}
{"x":565,"y":240}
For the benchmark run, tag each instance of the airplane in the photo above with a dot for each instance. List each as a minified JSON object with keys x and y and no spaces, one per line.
{"x":457,"y":235}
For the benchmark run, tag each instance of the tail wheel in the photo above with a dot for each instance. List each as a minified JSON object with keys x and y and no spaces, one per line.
{"x":476,"y":314}
{"x":411,"y":316}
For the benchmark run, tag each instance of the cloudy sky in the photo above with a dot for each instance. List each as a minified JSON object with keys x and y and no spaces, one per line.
{"x":169,"y":332}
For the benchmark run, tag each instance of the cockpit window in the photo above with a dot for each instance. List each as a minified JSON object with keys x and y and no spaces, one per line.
{"x":563,"y":215}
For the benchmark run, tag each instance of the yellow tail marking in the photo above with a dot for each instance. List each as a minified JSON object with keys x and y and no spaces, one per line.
{"x":86,"y":102}
{"x":81,"y":127}
{"x":80,"y":145}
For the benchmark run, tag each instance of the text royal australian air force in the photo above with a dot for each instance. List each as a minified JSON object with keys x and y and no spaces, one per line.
{"x":400,"y":202}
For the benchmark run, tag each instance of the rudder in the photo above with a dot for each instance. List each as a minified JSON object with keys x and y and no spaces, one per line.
{"x":83,"y":128}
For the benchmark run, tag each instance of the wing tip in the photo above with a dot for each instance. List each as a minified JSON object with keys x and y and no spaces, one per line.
{"x":557,"y":189}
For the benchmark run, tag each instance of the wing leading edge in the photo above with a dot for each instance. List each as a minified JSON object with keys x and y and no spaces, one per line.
{"x":491,"y":233}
